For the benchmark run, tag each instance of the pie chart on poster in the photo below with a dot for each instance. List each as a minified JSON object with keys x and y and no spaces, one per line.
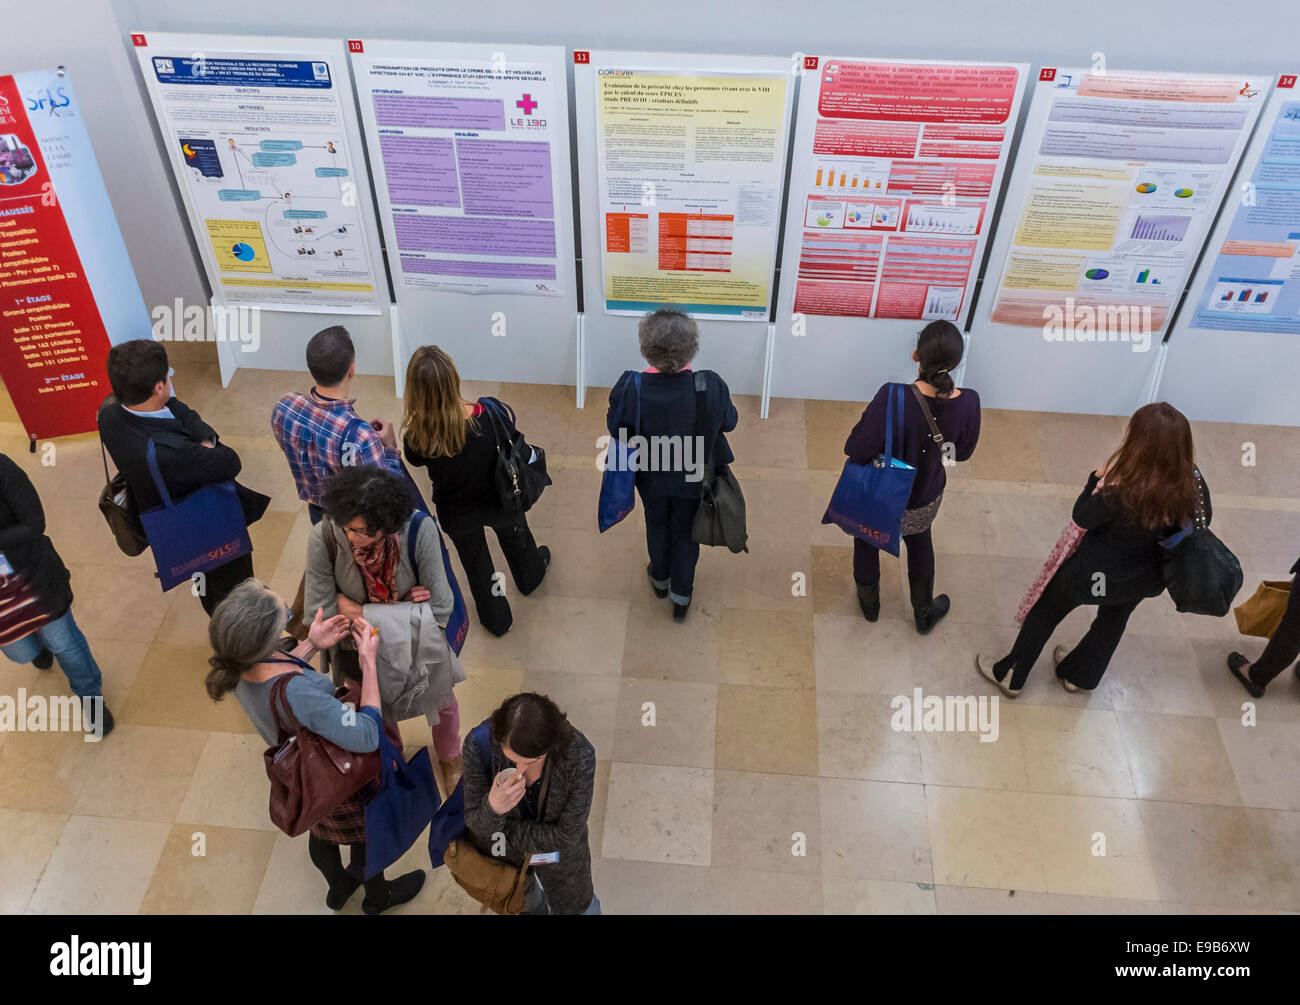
{"x":243,"y":252}
{"x":1183,"y":193}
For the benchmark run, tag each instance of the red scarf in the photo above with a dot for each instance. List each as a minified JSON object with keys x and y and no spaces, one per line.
{"x":378,"y":565}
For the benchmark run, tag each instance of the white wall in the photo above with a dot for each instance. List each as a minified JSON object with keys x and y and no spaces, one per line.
{"x":89,"y":37}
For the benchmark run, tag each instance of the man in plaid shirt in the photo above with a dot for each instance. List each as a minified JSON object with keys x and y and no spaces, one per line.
{"x":321,"y":432}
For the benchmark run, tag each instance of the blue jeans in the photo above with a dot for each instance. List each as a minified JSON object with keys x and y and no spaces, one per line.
{"x":673,"y":553}
{"x":63,"y":638}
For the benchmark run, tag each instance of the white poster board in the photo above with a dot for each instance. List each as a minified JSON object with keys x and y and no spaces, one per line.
{"x":896,"y":170}
{"x":1116,"y":183}
{"x":1238,"y":332}
{"x":262,"y":137}
{"x":680,"y":207}
{"x":469,"y":145}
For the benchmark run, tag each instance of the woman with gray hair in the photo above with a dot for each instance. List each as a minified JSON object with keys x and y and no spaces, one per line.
{"x":246,"y":633}
{"x":670,"y":474}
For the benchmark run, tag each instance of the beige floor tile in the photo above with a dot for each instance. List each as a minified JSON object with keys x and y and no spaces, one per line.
{"x":626,"y":886}
{"x":573,"y":635}
{"x":665,"y":722}
{"x":876,"y":896}
{"x":1075,"y":751}
{"x":1258,"y":755}
{"x":833,"y":591}
{"x":875,"y":830}
{"x":215,"y":870}
{"x":1178,"y":758}
{"x":772,"y":577}
{"x":768,"y":648}
{"x":291,"y":884}
{"x":746,"y":891}
{"x":103,"y":593}
{"x":964,"y":756}
{"x":855,"y":656}
{"x":1074,"y":830}
{"x":767,"y":729}
{"x":979,"y":900}
{"x":1155,"y":674}
{"x":30,"y":838}
{"x":656,"y":646}
{"x":656,"y":813}
{"x":828,"y":424}
{"x":141,"y":772}
{"x":168,"y":691}
{"x":573,"y":573}
{"x":99,"y":866}
{"x":43,"y":771}
{"x":780,"y":440}
{"x":769,"y":823}
{"x":982,"y":837}
{"x":589,"y":702}
{"x":229,"y":787}
{"x":856,"y":739}
{"x":775,"y":510}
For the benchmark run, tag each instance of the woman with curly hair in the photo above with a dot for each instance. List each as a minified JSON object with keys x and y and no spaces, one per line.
{"x":358,"y":555}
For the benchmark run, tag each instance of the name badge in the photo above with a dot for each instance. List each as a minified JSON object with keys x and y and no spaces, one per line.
{"x":545,"y":858}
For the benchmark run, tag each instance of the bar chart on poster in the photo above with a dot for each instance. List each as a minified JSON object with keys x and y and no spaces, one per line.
{"x":67,"y":290}
{"x":1117,"y":182}
{"x":1241,"y":318}
{"x":895,"y":174}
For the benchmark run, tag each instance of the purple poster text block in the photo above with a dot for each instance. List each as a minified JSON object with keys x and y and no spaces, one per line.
{"x":421,"y":170}
{"x":416,"y":111}
{"x":461,"y":236}
{"x":506,"y":177}
{"x":493,"y":270}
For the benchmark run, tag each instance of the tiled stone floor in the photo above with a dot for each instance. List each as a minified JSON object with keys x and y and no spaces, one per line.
{"x":772,"y":704}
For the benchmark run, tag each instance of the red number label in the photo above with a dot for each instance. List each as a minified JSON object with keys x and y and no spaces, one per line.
{"x":1286,"y":80}
{"x":138,"y":40}
{"x":810,"y":62}
{"x":581,"y":56}
{"x":1047,"y":73}
{"x":354,"y":45}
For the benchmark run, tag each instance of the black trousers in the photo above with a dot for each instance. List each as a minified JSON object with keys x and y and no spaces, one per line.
{"x":1087,"y":662}
{"x":674,"y":552}
{"x":1283,"y":647}
{"x":522,"y":555}
{"x":920,"y":559}
{"x":328,"y":858}
{"x":224,"y":578}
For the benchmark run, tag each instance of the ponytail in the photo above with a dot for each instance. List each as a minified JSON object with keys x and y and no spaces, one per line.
{"x":939,"y":350}
{"x":223,"y":677}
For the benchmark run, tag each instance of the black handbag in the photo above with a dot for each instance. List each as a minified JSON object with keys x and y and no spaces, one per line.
{"x":521,"y":468}
{"x":127,"y":531}
{"x":720,"y":520}
{"x":1201,"y":574}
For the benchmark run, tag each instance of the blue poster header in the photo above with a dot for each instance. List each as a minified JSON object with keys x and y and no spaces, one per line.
{"x":225,"y":72}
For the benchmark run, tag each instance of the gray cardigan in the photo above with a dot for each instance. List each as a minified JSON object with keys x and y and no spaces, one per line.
{"x":324,"y":583}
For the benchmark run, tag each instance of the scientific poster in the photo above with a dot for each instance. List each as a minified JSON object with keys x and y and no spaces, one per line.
{"x":465,"y":168}
{"x":690,"y":175}
{"x":66,"y":286}
{"x":1253,"y":280}
{"x":895,"y":180}
{"x":1128,"y":170}
{"x":259,"y":143}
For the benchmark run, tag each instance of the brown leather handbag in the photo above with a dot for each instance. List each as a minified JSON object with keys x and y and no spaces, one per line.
{"x":310,"y":775}
{"x":498,"y":886}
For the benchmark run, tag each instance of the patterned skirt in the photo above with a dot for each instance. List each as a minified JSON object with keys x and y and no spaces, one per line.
{"x":347,"y":824}
{"x":917,"y":520}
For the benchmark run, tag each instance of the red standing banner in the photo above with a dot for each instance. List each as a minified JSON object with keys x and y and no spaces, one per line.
{"x":53,"y":342}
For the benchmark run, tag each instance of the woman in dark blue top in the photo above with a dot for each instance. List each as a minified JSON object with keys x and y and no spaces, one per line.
{"x":670,"y":491}
{"x":956,"y":411}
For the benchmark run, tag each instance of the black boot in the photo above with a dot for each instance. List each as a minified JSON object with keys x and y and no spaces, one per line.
{"x":926,"y":607}
{"x":44,"y":660}
{"x":394,"y":892}
{"x":869,"y":600}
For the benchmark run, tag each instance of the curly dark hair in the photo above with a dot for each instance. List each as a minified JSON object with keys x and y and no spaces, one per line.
{"x":378,"y":496}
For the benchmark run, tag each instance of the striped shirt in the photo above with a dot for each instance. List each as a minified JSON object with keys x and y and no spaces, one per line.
{"x":312,"y":430}
{"x":21,"y":610}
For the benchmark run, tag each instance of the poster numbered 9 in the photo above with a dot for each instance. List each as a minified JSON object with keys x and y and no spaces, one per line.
{"x":262,"y":145}
{"x":690,"y":174}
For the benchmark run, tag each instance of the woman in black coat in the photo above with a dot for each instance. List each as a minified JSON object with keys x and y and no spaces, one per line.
{"x":1146,"y":494}
{"x":1280,"y":653}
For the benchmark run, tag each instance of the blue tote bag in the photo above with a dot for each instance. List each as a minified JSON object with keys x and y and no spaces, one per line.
{"x":449,"y":821}
{"x":404,"y":805}
{"x":202,"y":531}
{"x":869,"y":499}
{"x":618,"y":483}
{"x":458,"y":621}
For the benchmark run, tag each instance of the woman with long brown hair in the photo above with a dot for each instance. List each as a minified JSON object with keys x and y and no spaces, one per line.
{"x":453,"y":440}
{"x":1146,"y":493}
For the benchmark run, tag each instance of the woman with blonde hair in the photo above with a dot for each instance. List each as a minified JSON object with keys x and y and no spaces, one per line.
{"x":1147,"y":493}
{"x":455,"y":441}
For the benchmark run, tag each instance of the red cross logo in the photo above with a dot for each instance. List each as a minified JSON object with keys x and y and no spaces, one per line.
{"x":527,"y":104}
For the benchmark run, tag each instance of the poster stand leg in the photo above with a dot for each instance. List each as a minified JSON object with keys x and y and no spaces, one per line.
{"x":1151,"y":389}
{"x":960,"y":375}
{"x":580,"y":330}
{"x":399,"y":364}
{"x":769,"y":354}
{"x":227,"y":351}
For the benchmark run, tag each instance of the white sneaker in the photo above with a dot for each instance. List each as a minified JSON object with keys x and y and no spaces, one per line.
{"x":984,"y":664}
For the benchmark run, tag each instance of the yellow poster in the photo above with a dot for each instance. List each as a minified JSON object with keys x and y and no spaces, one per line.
{"x":238,"y":245}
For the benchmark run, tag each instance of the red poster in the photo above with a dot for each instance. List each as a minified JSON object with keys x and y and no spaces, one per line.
{"x":901,"y":92}
{"x":53,"y":342}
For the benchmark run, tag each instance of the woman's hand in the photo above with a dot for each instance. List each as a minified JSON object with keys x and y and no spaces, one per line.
{"x":325,"y":633}
{"x":349,"y":608}
{"x":367,"y":640}
{"x":418,"y":595}
{"x":503,"y":798}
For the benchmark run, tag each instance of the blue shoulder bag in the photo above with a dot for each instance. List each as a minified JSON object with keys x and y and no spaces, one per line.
{"x":404,"y":805}
{"x":618,"y":483}
{"x":449,"y":821}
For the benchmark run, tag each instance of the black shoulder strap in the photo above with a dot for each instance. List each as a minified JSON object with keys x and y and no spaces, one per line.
{"x":935,"y":434}
{"x":702,"y":415}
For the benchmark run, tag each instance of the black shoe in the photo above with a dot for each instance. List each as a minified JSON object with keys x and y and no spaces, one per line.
{"x":679,"y":610}
{"x":92,"y":724}
{"x":400,"y":890}
{"x":44,"y":661}
{"x":1238,"y":662}
{"x":927,"y":609}
{"x":341,"y":892}
{"x":658,"y":592}
{"x":869,"y":601}
{"x":545,"y":554}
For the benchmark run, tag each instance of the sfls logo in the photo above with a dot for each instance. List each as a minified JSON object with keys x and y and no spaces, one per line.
{"x":47,"y":99}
